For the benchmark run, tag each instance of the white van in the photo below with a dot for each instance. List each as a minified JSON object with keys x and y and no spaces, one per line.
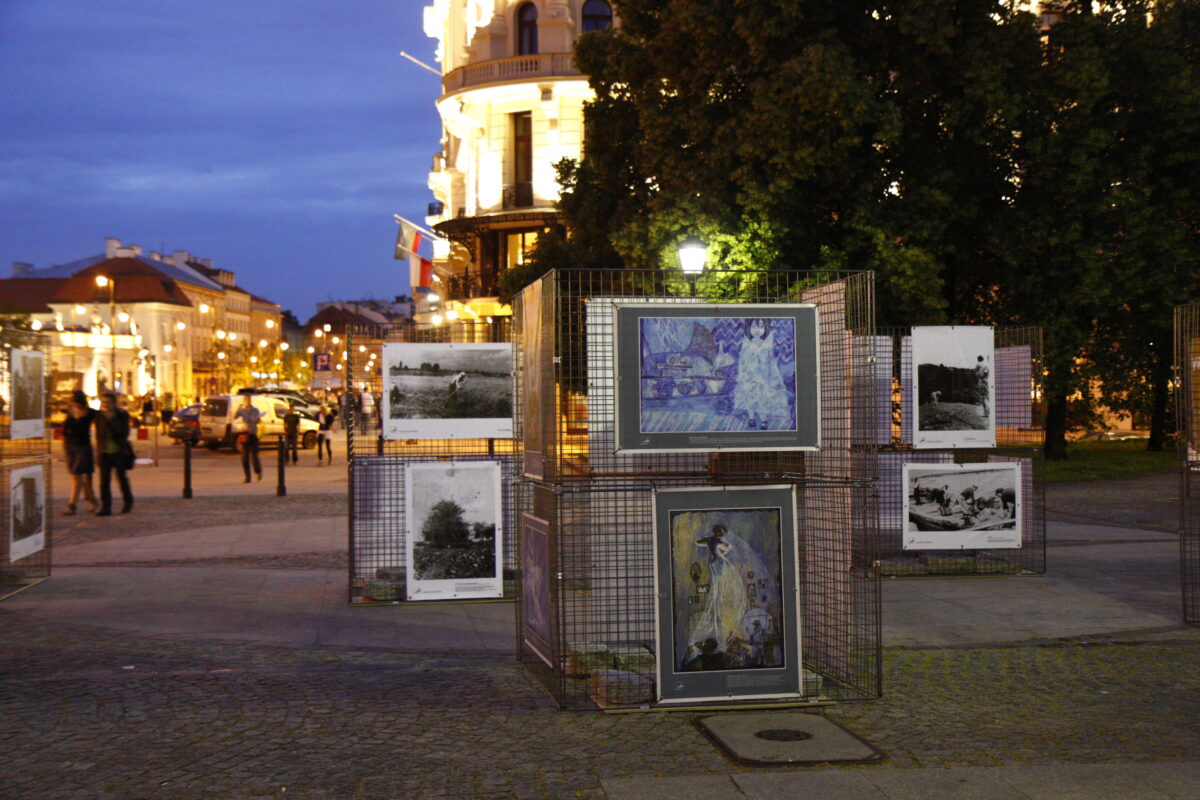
{"x":219,"y":427}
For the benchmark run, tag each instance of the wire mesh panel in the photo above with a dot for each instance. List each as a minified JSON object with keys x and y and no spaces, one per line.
{"x":25,"y":493}
{"x":1187,"y":405}
{"x":1016,"y":412}
{"x":587,"y":621}
{"x":380,"y":463}
{"x":24,"y":399}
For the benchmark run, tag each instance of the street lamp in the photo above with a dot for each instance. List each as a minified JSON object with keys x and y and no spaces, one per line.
{"x":692,"y":255}
{"x":104,"y":281}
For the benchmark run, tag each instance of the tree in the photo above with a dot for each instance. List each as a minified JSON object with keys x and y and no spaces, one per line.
{"x":445,"y":526}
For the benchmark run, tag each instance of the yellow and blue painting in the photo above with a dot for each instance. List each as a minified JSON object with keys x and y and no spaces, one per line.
{"x":728,"y":604}
{"x":717,"y":374}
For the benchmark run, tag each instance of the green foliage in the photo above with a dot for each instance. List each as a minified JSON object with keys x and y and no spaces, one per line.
{"x":988,"y":171}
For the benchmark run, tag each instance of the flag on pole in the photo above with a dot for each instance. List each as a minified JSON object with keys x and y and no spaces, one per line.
{"x":420,"y":273}
{"x":408,"y":240}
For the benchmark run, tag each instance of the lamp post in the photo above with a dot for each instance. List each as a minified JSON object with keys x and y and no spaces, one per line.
{"x":104,"y":281}
{"x":692,"y":255}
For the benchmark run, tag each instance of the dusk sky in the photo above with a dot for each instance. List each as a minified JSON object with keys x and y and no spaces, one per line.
{"x":276,"y":138}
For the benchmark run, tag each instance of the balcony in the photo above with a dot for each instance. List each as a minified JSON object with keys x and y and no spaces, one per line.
{"x":508,"y":70}
{"x":518,"y":195}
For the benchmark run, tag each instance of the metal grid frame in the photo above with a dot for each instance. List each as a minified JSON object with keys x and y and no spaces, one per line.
{"x":26,"y":340}
{"x":598,"y":505}
{"x":378,"y":525}
{"x":1187,"y":405}
{"x":1019,"y":436}
{"x":20,"y":454}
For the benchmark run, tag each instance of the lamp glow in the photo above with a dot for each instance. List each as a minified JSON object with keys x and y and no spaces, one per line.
{"x":692,"y":255}
{"x":102,"y":281}
{"x":204,"y":308}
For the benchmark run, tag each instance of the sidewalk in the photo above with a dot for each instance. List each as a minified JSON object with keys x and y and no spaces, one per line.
{"x":224,"y":662}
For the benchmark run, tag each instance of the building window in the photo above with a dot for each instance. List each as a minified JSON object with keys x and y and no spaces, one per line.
{"x":518,"y":246}
{"x":597,"y":15}
{"x":527,"y":30}
{"x":519,"y":194}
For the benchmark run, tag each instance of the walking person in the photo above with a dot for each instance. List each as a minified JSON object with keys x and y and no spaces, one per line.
{"x":325,"y":419}
{"x":251,"y":417}
{"x":291,"y":432}
{"x":77,"y":441}
{"x":116,"y":454}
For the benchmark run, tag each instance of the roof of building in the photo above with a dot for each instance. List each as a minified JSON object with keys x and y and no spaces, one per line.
{"x":135,"y":280}
{"x":31,"y":295}
{"x":185,"y":274}
{"x":334,"y":316}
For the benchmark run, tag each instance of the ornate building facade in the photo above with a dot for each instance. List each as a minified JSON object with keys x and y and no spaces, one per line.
{"x":511,"y":107}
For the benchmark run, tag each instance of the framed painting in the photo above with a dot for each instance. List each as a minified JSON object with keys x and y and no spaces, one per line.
{"x":537,"y":603}
{"x":727,"y":611}
{"x":455,"y":536}
{"x":954,"y":386}
{"x":702,"y":376}
{"x":27,"y":404}
{"x":962,"y":506}
{"x":27,"y":523}
{"x":447,"y":390}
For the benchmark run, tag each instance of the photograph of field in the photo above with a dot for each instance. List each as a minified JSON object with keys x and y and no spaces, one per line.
{"x":447,"y":391}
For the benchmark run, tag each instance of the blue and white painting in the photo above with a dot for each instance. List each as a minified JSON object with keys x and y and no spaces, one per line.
{"x":717,"y":374}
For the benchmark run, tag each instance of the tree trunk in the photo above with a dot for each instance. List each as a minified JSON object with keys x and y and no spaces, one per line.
{"x":1160,"y":410}
{"x":1055,"y":448}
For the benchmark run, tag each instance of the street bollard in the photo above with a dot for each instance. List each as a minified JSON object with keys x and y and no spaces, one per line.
{"x":281,"y":489}
{"x":187,"y":469}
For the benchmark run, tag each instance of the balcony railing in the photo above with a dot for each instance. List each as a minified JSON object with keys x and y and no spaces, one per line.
{"x":518,"y":195}
{"x":516,"y":68}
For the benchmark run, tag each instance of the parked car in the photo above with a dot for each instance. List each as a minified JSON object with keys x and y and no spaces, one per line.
{"x":219,"y":426}
{"x":295,"y":399}
{"x":185,"y":424}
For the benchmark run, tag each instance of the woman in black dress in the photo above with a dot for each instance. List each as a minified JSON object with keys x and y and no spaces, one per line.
{"x":77,"y":439}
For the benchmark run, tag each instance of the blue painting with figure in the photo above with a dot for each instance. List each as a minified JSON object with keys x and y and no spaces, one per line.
{"x":717,"y":374}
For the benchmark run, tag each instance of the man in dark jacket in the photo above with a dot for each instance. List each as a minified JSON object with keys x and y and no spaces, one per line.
{"x":115,"y":453}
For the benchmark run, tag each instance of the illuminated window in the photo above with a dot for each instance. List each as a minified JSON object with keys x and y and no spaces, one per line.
{"x":597,"y":15}
{"x":527,"y":44}
{"x":518,"y":246}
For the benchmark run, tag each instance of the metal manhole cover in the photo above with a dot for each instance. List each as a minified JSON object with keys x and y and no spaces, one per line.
{"x":783,"y":735}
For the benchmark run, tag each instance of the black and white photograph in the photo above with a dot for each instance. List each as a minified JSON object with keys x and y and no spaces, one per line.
{"x":28,"y":394}
{"x":27,"y":526}
{"x":455,"y":530}
{"x":962,"y":506}
{"x":447,"y":391}
{"x":954,"y":386}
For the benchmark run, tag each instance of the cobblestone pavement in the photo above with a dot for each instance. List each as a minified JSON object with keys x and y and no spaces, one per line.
{"x":162,"y":515}
{"x":92,"y":714}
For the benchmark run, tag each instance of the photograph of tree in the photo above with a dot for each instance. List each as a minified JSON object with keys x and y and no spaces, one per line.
{"x":455,"y":530}
{"x":28,"y":394}
{"x":962,"y":506}
{"x":27,"y":525}
{"x":447,"y":390}
{"x":726,"y":579}
{"x":711,"y":377}
{"x":954,"y":386}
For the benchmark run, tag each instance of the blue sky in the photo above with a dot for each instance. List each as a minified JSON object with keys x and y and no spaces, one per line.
{"x":276,"y":138}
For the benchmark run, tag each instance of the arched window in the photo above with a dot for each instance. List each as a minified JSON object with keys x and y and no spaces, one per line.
{"x":527,"y":30}
{"x":597,"y":15}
